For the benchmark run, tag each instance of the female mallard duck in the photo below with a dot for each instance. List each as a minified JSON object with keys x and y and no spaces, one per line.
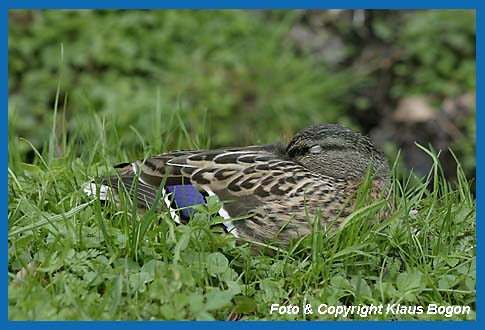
{"x":275,"y":188}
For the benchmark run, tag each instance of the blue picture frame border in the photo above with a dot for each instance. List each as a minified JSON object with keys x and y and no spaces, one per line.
{"x":7,"y":5}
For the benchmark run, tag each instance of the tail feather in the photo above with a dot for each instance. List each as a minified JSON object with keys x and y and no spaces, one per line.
{"x":145,"y":195}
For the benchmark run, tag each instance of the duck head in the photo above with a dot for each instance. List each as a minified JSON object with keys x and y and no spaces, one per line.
{"x":337,"y":151}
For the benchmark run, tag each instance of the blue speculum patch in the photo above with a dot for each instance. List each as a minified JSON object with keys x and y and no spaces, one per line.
{"x":186,"y":196}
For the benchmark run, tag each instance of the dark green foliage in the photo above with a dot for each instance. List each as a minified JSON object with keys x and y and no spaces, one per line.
{"x":235,"y":77}
{"x":231,"y":66}
{"x":438,"y":54}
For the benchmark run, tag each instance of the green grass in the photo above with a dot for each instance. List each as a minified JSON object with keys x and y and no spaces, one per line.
{"x":98,"y":262}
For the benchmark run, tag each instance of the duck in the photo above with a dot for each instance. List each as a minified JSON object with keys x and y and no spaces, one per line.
{"x":270,"y":193}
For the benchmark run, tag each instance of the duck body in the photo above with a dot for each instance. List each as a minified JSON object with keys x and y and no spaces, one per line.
{"x":278,"y":191}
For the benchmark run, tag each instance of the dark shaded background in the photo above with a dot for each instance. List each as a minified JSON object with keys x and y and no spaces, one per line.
{"x":244,"y":77}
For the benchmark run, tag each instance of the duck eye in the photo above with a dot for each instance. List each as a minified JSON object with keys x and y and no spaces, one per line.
{"x":315,"y":149}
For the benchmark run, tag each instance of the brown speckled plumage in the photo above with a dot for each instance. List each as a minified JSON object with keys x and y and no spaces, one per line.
{"x":319,"y":171}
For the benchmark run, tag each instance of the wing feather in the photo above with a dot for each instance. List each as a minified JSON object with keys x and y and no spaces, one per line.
{"x":260,"y":182}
